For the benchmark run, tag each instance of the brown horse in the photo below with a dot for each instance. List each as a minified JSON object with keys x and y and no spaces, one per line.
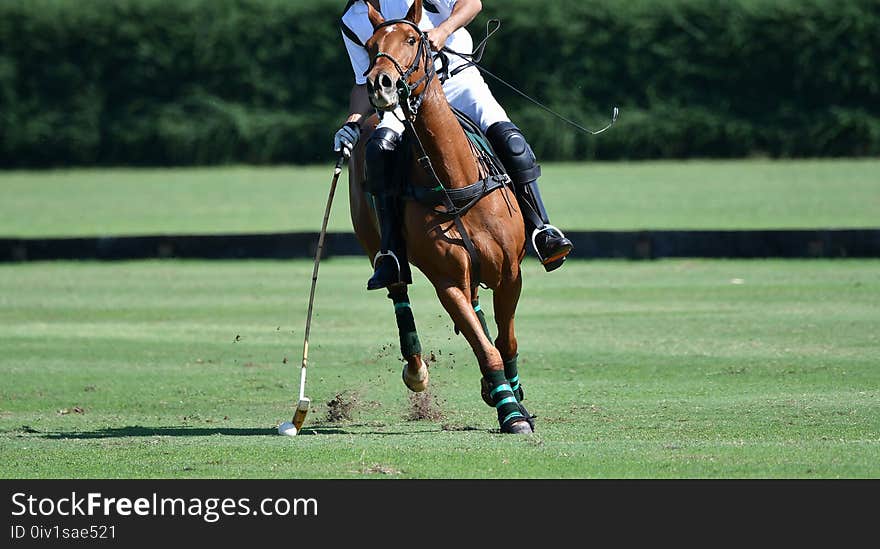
{"x":436,"y":246}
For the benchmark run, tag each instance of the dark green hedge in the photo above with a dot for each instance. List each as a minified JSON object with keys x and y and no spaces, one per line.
{"x":155,"y":82}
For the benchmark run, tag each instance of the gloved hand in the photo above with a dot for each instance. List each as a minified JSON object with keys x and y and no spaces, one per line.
{"x":346,"y":138}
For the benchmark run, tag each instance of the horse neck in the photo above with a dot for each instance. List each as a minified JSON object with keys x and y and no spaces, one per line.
{"x":444,"y":141}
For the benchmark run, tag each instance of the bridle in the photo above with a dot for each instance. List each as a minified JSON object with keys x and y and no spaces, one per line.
{"x":404,"y":87}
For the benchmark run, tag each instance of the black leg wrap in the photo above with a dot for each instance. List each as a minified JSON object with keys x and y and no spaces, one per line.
{"x":391,"y":265}
{"x":482,"y":317}
{"x":406,"y":324}
{"x":512,"y":417}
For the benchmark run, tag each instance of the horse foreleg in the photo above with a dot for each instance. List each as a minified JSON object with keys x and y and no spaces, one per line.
{"x":460,"y":308}
{"x":415,"y":373}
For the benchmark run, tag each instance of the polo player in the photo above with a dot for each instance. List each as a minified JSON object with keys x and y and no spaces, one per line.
{"x":444,"y":22}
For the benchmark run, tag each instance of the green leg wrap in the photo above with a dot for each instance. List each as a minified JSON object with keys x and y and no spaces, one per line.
{"x":482,"y":317}
{"x":406,"y":325}
{"x":505,"y":402}
{"x":511,"y":372}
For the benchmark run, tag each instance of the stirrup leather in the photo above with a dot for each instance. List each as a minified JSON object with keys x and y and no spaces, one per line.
{"x":538,"y":231}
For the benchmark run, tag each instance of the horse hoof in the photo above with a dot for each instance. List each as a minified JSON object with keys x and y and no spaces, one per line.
{"x":529,"y":417}
{"x":418,"y":383}
{"x":521,"y":427}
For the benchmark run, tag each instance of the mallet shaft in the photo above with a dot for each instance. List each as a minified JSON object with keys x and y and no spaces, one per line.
{"x":305,"y":358}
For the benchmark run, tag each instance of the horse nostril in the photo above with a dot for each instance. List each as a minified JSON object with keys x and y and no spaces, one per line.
{"x":385,"y":81}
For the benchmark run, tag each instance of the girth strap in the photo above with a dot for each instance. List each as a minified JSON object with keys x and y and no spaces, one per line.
{"x":457,"y":203}
{"x":455,"y":213}
{"x":462,"y":199}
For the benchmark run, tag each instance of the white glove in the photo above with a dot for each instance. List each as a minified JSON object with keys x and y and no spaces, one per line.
{"x":346,"y":138}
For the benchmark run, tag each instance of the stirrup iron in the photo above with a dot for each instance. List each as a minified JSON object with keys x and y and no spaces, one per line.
{"x":538,"y":231}
{"x":380,"y":254}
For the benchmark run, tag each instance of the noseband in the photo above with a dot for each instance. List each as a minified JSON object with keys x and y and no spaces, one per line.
{"x":404,"y":88}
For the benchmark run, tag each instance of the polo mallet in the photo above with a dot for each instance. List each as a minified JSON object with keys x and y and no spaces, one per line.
{"x":302,"y":405}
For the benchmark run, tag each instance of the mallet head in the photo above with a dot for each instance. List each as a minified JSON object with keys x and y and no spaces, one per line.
{"x":302,"y":408}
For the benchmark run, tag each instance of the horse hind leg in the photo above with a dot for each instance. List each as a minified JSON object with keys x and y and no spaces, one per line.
{"x":415,"y":372}
{"x":484,"y":383}
{"x":505,"y":301}
{"x":510,"y":417}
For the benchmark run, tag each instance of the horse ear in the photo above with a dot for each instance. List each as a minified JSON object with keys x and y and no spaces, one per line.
{"x":375,"y":17}
{"x":415,"y":12}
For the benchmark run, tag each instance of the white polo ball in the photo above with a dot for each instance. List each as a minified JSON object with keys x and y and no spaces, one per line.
{"x":287,"y":428}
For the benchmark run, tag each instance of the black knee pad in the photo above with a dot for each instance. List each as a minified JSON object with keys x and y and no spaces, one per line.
{"x":514,"y":151}
{"x":380,"y":155}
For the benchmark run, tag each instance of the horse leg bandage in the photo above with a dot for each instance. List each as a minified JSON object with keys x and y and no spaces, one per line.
{"x":501,"y":394}
{"x":482,"y":317}
{"x":406,"y":325}
{"x":511,"y":372}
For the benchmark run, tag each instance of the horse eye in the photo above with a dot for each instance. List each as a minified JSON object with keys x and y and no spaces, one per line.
{"x":411,"y":41}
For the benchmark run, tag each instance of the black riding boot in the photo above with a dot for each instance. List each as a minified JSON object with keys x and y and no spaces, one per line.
{"x":390,"y":265}
{"x":509,"y":143}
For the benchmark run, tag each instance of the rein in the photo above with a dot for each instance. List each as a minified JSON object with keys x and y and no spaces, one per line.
{"x":474,"y":59}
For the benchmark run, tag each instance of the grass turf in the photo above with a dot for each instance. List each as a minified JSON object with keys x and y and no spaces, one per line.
{"x":598,"y":196}
{"x":684,"y":369}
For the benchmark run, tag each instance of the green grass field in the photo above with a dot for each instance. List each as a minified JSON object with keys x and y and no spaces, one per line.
{"x":685,"y":369}
{"x":600,"y":196}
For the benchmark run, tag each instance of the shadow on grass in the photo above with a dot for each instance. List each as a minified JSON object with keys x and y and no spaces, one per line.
{"x":139,"y":431}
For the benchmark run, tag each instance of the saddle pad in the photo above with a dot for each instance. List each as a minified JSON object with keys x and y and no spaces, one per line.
{"x":479,"y":139}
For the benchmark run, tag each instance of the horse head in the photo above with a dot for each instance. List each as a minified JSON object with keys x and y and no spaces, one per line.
{"x":401,"y":59}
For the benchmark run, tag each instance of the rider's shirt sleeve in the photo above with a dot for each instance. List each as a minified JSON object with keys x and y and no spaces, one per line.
{"x":446,"y":5}
{"x":360,"y":59}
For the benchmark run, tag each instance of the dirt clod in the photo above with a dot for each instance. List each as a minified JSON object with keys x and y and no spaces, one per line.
{"x":424,"y":407}
{"x":381,"y":469}
{"x":74,"y":410}
{"x":341,"y":406}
